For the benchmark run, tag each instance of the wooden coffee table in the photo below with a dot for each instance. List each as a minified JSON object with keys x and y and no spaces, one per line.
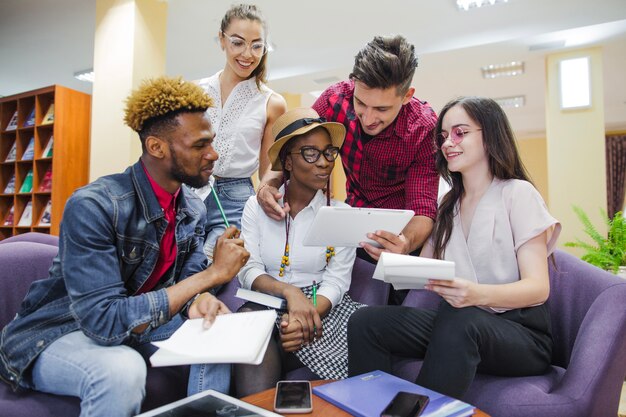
{"x":265,"y":400}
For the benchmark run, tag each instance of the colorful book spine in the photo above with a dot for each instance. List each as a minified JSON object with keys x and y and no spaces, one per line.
{"x":30,"y":120}
{"x":8,"y":220}
{"x":27,"y":185}
{"x":10,"y":188}
{"x":29,"y":153}
{"x":46,"y":215}
{"x":47,"y":152}
{"x":49,"y":116}
{"x":12,"y":155}
{"x":13,"y":122}
{"x":27,"y":215}
{"x":46,"y":182}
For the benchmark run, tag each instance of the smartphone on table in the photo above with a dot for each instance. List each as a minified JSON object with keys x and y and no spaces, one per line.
{"x":293,"y":397}
{"x":405,"y":404}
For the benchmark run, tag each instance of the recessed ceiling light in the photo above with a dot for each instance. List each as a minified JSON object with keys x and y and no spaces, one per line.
{"x":472,"y":4}
{"x":503,"y":70}
{"x":511,"y":102}
{"x":85,"y":75}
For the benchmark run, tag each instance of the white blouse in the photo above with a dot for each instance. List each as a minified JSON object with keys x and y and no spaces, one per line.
{"x":239,"y":124}
{"x":265,"y":240}
{"x":509,"y":214}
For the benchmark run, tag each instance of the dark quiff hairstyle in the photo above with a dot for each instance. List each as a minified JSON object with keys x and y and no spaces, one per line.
{"x":386,"y":61}
{"x":248,"y":12}
{"x":502,"y":154}
{"x":151,"y":109}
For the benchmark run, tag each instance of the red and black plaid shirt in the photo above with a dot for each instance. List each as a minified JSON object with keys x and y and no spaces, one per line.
{"x":394,"y":169}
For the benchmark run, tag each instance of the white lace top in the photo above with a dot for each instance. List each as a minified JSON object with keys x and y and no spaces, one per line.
{"x":239,"y":124}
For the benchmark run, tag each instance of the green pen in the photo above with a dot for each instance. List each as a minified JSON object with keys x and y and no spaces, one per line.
{"x":219,"y":206}
{"x":314,"y":297}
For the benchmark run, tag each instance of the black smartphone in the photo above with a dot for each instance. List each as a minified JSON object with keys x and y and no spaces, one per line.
{"x":405,"y":404}
{"x":293,"y":397}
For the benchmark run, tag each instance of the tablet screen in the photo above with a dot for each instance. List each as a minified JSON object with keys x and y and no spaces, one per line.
{"x":348,"y":226}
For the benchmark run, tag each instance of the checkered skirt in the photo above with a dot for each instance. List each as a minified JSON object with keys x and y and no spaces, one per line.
{"x":328,"y":356}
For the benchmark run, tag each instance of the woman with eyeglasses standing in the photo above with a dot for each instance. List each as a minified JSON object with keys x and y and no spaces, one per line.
{"x":312,"y":330}
{"x":243,"y":114}
{"x":496,"y":228}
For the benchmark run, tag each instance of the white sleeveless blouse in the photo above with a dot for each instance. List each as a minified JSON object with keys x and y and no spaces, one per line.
{"x":239,"y":124}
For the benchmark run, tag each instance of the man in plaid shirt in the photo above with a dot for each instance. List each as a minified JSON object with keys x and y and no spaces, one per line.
{"x":388,"y":153}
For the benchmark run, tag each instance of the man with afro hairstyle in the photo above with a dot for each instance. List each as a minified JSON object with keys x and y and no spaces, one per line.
{"x":130,"y":267}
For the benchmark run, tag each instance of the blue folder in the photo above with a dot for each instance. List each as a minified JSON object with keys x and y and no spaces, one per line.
{"x":368,"y":394}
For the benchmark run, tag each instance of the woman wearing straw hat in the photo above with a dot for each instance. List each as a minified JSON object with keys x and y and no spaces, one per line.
{"x":244,"y":112}
{"x":308,"y":333}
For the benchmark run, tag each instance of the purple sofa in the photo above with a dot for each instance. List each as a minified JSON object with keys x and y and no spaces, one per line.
{"x":33,"y":237}
{"x":588,"y":311}
{"x":23,"y":261}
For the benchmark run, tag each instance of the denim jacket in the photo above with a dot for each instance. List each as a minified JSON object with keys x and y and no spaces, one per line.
{"x":108,"y":247}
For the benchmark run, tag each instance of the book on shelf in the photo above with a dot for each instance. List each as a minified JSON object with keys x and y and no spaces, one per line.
{"x":27,"y":185}
{"x":8,"y":220}
{"x":232,"y":338}
{"x":30,"y":120}
{"x":13,"y":122}
{"x":27,"y":215}
{"x":261,"y":298}
{"x":411,"y":272}
{"x":12,"y":155}
{"x":49,"y":116}
{"x":47,"y":152}
{"x":46,"y":182}
{"x":46,"y":215}
{"x":10,"y":188}
{"x":368,"y":394}
{"x":29,"y":153}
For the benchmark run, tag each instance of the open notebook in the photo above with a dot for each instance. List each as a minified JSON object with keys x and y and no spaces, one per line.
{"x":406,"y":272}
{"x":233,"y":338}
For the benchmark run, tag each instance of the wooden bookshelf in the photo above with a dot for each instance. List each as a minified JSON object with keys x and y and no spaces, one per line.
{"x":69,"y":161}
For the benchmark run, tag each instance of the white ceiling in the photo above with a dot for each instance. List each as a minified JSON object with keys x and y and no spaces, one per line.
{"x":43,"y":42}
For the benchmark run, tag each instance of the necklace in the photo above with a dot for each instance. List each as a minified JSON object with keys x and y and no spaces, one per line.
{"x":284,"y":262}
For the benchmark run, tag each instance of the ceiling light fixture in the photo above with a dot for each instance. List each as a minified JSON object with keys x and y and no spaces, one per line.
{"x":511,"y":102}
{"x":85,"y":75}
{"x":503,"y":70}
{"x":472,"y":4}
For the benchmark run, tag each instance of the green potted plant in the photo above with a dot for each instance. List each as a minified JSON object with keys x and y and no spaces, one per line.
{"x":608,"y":252}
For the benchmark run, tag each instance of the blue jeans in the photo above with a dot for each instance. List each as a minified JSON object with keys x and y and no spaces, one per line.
{"x":111,"y":380}
{"x":233,"y":194}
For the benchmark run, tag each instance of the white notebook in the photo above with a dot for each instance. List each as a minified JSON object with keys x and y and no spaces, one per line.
{"x":233,"y":338}
{"x":261,"y":298}
{"x":407,"y":272}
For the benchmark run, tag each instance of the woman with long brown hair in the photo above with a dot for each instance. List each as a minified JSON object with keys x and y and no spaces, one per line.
{"x":496,"y":228}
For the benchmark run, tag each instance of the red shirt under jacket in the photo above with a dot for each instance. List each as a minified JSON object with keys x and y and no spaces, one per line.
{"x":167,"y":248}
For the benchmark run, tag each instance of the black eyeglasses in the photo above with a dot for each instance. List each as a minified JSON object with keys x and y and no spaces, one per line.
{"x":311,"y":154}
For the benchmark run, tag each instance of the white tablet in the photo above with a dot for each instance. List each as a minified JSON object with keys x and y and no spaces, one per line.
{"x":209,"y":403}
{"x":348,"y":226}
